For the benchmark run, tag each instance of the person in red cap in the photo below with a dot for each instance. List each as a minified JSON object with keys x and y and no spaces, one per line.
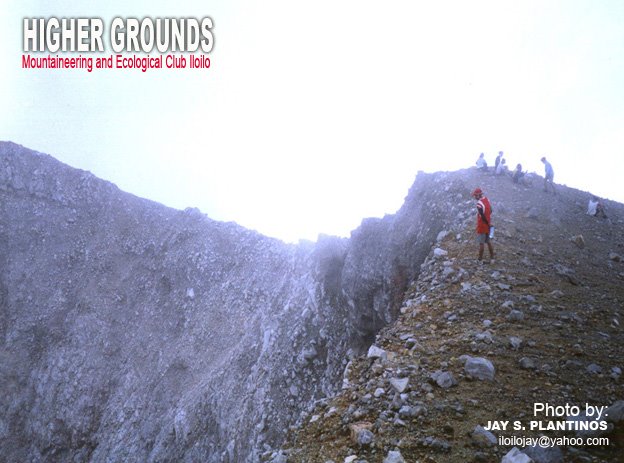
{"x":484,"y":223}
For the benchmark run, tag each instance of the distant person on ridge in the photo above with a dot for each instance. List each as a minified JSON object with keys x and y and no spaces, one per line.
{"x":501,"y":169}
{"x":497,"y":162}
{"x":549,"y":174}
{"x":596,"y":208}
{"x":481,"y":163}
{"x":484,"y":224}
{"x":517,"y":174}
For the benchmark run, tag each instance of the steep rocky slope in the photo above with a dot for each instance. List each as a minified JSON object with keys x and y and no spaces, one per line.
{"x":134,"y":332}
{"x":545,"y":315}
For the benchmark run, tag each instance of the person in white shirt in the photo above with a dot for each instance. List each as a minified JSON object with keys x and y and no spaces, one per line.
{"x":481,"y":163}
{"x":501,"y":168}
{"x":596,"y":208}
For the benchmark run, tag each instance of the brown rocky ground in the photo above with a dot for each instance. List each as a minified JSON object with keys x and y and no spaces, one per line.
{"x":547,"y":313}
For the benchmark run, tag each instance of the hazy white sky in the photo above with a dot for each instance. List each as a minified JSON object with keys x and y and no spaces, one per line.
{"x":315,"y":115}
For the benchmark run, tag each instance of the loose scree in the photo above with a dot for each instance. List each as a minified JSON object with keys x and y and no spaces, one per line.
{"x":126,"y":34}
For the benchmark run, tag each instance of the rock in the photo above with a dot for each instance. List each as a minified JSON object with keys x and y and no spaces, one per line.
{"x":579,"y":241}
{"x":532,"y":213}
{"x":394,"y":456}
{"x":190,"y":293}
{"x":544,"y":454}
{"x":419,"y":409}
{"x":447,"y":272}
{"x":566,"y":273}
{"x":573,"y":365}
{"x":615,"y":257}
{"x":308,"y":354}
{"x":516,"y":456}
{"x":439,"y":252}
{"x":279,"y":457}
{"x":615,"y":413}
{"x":365,"y":437}
{"x":444,"y":379}
{"x":515,"y":342}
{"x":481,"y":437}
{"x":485,"y":336}
{"x":350,"y":459}
{"x":503,"y":286}
{"x":527,"y":363}
{"x":399,"y":384}
{"x":616,"y":372}
{"x":535,"y":308}
{"x":379,"y":392}
{"x":479,"y":368}
{"x":399,"y":422}
{"x":507,"y":305}
{"x":594,"y":369}
{"x":375,"y":352}
{"x":440,"y":445}
{"x":412,"y":343}
{"x":441,"y":235}
{"x":361,"y":433}
{"x":407,"y":412}
{"x":397,"y":402}
{"x":345,"y":375}
{"x":515,"y":316}
{"x":487,"y":323}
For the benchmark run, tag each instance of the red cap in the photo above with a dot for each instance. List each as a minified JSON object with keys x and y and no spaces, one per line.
{"x":477,"y":192}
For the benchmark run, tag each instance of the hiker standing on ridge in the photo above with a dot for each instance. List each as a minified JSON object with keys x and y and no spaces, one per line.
{"x":549,"y":174}
{"x":517,"y":174}
{"x":497,"y":162}
{"x":484,"y":214}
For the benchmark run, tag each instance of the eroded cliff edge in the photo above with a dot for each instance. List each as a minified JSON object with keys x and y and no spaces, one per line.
{"x":134,"y":332}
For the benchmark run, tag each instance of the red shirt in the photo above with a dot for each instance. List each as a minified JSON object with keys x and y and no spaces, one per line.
{"x":483,"y":205}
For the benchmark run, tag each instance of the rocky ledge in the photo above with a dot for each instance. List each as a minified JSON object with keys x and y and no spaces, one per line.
{"x":481,"y":345}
